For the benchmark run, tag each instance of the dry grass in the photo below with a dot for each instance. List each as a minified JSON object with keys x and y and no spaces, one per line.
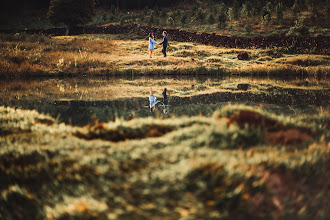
{"x":193,"y":168}
{"x":101,"y":54}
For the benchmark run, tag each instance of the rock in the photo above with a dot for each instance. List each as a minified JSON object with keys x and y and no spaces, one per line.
{"x":243,"y":86}
{"x":243,"y":56}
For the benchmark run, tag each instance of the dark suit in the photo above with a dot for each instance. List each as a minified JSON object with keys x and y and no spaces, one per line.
{"x":164,"y":43}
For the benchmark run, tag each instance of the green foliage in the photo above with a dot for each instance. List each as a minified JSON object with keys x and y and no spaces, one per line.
{"x":327,"y":9}
{"x":170,"y":21}
{"x":71,"y":12}
{"x":222,"y":16}
{"x":200,"y":15}
{"x":146,"y":10}
{"x":183,"y":19}
{"x":235,"y":10}
{"x":231,"y":14}
{"x":296,"y":7}
{"x":211,"y":19}
{"x":266,"y":16}
{"x":299,"y":29}
{"x":163,"y":13}
{"x":279,"y":12}
{"x":246,"y":10}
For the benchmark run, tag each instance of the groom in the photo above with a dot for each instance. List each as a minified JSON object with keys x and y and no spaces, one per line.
{"x":165,"y":41}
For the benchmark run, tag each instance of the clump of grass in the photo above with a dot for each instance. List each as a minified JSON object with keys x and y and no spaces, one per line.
{"x":232,"y":174}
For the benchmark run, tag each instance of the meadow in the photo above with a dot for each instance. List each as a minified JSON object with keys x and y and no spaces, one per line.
{"x":243,"y":139}
{"x":41,"y":55}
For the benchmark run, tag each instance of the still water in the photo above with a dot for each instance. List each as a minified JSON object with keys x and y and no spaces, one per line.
{"x":82,"y":100}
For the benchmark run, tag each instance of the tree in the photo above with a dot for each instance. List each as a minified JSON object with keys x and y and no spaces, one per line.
{"x":183,"y":19}
{"x":296,"y":7}
{"x":236,"y":9}
{"x":211,"y":19}
{"x":170,"y":21}
{"x":222,"y":17}
{"x":71,"y":12}
{"x":279,"y":12}
{"x":201,"y":15}
{"x":246,"y":10}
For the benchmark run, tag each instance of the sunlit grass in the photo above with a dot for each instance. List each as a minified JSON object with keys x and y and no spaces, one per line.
{"x":102,"y":54}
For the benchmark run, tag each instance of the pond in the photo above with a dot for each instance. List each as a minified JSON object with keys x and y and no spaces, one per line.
{"x":82,"y":100}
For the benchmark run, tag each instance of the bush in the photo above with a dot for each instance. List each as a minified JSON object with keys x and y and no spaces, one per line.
{"x":246,"y":10}
{"x":163,"y":13}
{"x":71,"y":12}
{"x":222,"y":17}
{"x":200,"y":16}
{"x":296,"y":7}
{"x":211,"y":19}
{"x":231,"y":15}
{"x":146,"y":10}
{"x":236,"y":9}
{"x":170,"y":21}
{"x":327,"y":8}
{"x":279,"y":12}
{"x":183,"y":19}
{"x":266,"y":14}
{"x":299,"y":29}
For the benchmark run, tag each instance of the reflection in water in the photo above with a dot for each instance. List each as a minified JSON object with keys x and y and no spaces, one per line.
{"x":77,"y":99}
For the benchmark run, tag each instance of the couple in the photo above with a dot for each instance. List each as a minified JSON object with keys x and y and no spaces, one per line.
{"x":152,"y":43}
{"x":153,"y":101}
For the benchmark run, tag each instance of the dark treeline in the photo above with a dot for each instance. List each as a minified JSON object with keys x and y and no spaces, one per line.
{"x":17,"y":5}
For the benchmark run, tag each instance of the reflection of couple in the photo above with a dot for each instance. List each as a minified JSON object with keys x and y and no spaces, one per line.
{"x":153,"y":101}
{"x":152,"y":43}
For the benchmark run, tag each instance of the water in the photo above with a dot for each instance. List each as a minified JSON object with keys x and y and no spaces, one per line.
{"x":82,"y":100}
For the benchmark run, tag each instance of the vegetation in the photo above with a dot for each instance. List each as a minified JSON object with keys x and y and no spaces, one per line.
{"x":97,"y":152}
{"x":71,"y":13}
{"x":27,"y":55}
{"x":226,"y":166}
{"x":231,"y":18}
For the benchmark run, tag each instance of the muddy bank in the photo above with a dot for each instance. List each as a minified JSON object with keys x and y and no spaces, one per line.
{"x":314,"y":45}
{"x":79,"y":112}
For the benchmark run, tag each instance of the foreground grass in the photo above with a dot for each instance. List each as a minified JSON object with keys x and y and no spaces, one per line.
{"x":25,"y":55}
{"x":241,"y":163}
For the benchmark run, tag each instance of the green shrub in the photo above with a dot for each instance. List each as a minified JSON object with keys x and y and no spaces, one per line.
{"x":71,"y":12}
{"x":163,"y":13}
{"x":222,"y":17}
{"x":170,"y":21}
{"x":296,"y":7}
{"x":299,"y":29}
{"x":236,"y":10}
{"x":183,"y":19}
{"x":279,"y":12}
{"x":211,"y":19}
{"x":246,"y":10}
{"x":200,"y":16}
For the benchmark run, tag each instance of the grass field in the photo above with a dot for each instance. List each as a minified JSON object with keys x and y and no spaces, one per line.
{"x":28,"y":55}
{"x":240,"y":162}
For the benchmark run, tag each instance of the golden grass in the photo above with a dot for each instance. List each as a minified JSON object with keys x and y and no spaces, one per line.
{"x":97,"y":54}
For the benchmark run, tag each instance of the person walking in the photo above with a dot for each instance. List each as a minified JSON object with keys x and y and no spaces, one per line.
{"x":152,"y":44}
{"x":164,"y":43}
